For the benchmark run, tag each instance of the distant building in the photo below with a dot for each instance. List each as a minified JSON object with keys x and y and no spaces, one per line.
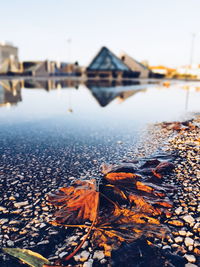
{"x":37,"y":68}
{"x":9,"y":62}
{"x":161,"y":71}
{"x":134,"y":65}
{"x":106,"y":65}
{"x":72,"y":69}
{"x":8,"y":51}
{"x":50,"y":68}
{"x":189,"y":70}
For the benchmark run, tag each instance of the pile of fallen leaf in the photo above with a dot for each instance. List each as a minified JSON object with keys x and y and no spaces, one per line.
{"x":127,"y":206}
{"x":124,"y":205}
{"x":180,"y":125}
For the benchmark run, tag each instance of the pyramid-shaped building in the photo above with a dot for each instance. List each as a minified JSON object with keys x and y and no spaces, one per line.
{"x":107,"y":65}
{"x":135,"y":65}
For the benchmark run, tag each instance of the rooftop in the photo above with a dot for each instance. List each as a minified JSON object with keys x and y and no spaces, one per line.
{"x":106,"y":60}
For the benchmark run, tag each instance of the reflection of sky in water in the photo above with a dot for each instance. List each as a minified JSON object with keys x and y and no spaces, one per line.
{"x":42,"y":126}
{"x":151,"y":105}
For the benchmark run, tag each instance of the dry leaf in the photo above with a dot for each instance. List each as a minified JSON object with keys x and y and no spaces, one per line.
{"x":121,"y":177}
{"x":27,"y":256}
{"x":78,"y":203}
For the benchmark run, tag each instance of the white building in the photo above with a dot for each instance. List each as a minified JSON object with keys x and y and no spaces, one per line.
{"x":193,"y":70}
{"x":8,"y":51}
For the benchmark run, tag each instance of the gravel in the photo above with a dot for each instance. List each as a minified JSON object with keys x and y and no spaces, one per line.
{"x":26,"y":179}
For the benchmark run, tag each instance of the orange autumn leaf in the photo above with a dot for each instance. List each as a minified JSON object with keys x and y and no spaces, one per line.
{"x":164,"y":204}
{"x":117,"y":177}
{"x":197,"y":251}
{"x":106,"y":240}
{"x":128,"y":216}
{"x":148,"y":189}
{"x":125,"y":206}
{"x":157,"y":175}
{"x":141,"y":186}
{"x":143,"y":205}
{"x":78,"y":202}
{"x":176,"y":223}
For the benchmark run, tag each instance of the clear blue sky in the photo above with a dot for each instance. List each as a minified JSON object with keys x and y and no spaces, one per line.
{"x":155,"y":30}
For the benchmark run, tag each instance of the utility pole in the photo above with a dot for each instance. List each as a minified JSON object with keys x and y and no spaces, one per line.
{"x":190,"y":67}
{"x":69,"y":49}
{"x":192,"y":49}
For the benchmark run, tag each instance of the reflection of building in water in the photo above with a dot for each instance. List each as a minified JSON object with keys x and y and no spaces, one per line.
{"x":125,"y":95}
{"x":39,"y":84}
{"x":10,"y":92}
{"x":50,"y":84}
{"x":192,"y":87}
{"x":67,"y":83}
{"x":104,"y":95}
{"x":10,"y":67}
{"x":108,"y":66}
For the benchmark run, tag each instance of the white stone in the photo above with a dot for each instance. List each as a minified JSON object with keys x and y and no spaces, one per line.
{"x":190,"y":265}
{"x":189,"y":234}
{"x":84,"y":255}
{"x":197,"y":244}
{"x":183,"y":233}
{"x":45,"y":208}
{"x":189,"y":219}
{"x":44,"y":242}
{"x":98,"y":255}
{"x":20,"y":204}
{"x":62,"y":254}
{"x":10,"y":243}
{"x":178,"y":239}
{"x":2,"y":221}
{"x":72,"y":238}
{"x":85,"y":244}
{"x":190,"y":258}
{"x":189,"y":241}
{"x":77,"y":257}
{"x":197,"y":225}
{"x":42,"y":225}
{"x":166,"y":247}
{"x":14,"y":222}
{"x":88,"y":263}
{"x":178,"y":210}
{"x":18,"y":211}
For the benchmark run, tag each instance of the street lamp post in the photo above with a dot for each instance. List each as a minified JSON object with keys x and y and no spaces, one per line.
{"x":69,"y":49}
{"x":192,"y":49}
{"x":190,"y":66}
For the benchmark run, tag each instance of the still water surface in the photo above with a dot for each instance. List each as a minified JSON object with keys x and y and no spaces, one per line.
{"x":76,"y":127}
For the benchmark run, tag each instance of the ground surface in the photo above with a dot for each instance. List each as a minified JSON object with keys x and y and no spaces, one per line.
{"x":27,"y":175}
